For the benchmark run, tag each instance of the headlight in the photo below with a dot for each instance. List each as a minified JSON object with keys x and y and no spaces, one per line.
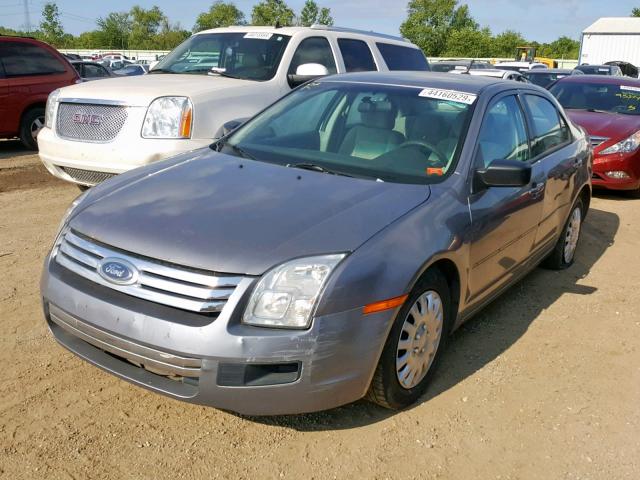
{"x":627,"y":145}
{"x":286,"y":296}
{"x":50,"y":110}
{"x":168,"y":117}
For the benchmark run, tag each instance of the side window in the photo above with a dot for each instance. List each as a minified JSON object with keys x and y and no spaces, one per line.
{"x":23,"y":59}
{"x":548,"y":129}
{"x":503,"y":135}
{"x":93,"y":71}
{"x":403,"y":58}
{"x":313,"y":50}
{"x":357,"y":55}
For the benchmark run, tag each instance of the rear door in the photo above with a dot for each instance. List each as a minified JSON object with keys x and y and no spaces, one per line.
{"x":556,"y":162}
{"x":504,"y":219}
{"x":4,"y":98}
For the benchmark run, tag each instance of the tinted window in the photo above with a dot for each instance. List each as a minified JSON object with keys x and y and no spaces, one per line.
{"x":598,"y":96}
{"x":503,"y":135}
{"x":403,"y":58}
{"x":357,"y":56}
{"x":594,"y":69}
{"x":94,"y":71}
{"x":313,"y":50}
{"x":548,"y":129}
{"x":22,"y":59}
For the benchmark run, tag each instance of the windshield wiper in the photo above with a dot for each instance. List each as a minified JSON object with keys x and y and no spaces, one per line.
{"x":595,"y":110}
{"x":222,"y":74}
{"x":241,"y":152}
{"x":160,"y":70}
{"x":316,"y":168}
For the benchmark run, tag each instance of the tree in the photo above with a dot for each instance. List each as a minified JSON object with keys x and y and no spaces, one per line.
{"x":563,"y":47}
{"x":635,"y":12}
{"x":145,"y":25}
{"x":469,"y":43}
{"x":312,"y":14}
{"x":430,"y":22}
{"x":220,"y":14}
{"x":113,"y":30}
{"x":505,"y":44}
{"x":325,"y":18}
{"x":51,"y":27}
{"x":272,"y":12}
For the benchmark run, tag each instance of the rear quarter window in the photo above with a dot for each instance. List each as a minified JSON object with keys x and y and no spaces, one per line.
{"x":356,"y":55}
{"x":403,"y":58}
{"x":26,"y":59}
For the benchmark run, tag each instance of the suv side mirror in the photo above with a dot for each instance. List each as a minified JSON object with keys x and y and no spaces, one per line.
{"x":306,"y":72}
{"x":229,"y":127}
{"x":503,"y":173}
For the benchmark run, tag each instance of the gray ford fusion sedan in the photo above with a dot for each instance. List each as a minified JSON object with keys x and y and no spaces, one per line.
{"x":324,"y":250}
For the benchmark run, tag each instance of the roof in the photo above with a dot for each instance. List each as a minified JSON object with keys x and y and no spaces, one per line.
{"x":547,"y":71}
{"x":624,"y":25}
{"x":466,"y":83}
{"x":604,"y":79}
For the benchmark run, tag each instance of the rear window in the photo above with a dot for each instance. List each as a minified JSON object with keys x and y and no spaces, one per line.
{"x":403,"y":58}
{"x":357,"y":55}
{"x":24,"y":59}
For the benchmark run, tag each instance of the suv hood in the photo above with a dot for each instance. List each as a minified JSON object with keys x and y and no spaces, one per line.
{"x":143,"y":89}
{"x":226,"y":214}
{"x":614,"y":126}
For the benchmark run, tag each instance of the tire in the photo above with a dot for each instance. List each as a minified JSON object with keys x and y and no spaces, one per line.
{"x":386,"y":389}
{"x":634,"y":193}
{"x":32,"y":122}
{"x":83,"y":188}
{"x":561,"y":258}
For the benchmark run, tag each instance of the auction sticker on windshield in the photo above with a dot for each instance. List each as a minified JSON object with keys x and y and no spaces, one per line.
{"x":259,"y":35}
{"x":450,"y":95}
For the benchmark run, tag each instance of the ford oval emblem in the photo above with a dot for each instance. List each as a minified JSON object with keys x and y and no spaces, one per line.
{"x":118,"y":271}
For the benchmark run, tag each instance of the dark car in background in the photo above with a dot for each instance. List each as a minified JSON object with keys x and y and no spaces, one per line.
{"x":605,"y":70}
{"x":325,"y":249}
{"x":545,"y":77}
{"x":608,"y":108}
{"x":132,"y":70}
{"x":91,"y":70}
{"x":29,"y":71}
{"x":444,"y":66}
{"x":628,"y":69}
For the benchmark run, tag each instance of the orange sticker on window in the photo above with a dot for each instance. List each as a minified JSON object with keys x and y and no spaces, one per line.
{"x":435,"y":171}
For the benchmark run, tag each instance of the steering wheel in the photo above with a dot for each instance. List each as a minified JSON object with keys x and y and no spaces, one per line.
{"x":426,"y":145}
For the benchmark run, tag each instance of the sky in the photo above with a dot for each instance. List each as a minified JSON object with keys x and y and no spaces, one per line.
{"x":539,"y":20}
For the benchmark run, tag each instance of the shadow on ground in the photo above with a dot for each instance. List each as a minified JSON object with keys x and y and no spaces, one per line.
{"x":487,"y":335}
{"x":13,"y":149}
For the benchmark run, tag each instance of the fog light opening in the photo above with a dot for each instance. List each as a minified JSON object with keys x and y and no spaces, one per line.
{"x":617,"y":174}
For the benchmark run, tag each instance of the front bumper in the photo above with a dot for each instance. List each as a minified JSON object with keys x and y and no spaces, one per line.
{"x":206,"y":360}
{"x":628,"y":163}
{"x":65,"y":158}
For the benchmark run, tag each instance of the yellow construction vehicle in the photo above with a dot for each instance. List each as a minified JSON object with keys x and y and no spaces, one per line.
{"x":528,"y":54}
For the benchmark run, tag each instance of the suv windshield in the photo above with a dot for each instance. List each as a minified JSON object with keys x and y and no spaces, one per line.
{"x":605,"y":97}
{"x":388,"y":133}
{"x":246,"y":55}
{"x":595,"y":69}
{"x":542,"y":78}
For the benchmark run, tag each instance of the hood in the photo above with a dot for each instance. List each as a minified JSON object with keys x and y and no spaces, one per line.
{"x":141,"y":90}
{"x":225,"y":214}
{"x":614,"y":126}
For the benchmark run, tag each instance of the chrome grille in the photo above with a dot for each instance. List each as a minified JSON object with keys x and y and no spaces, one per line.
{"x":157,"y":282}
{"x":87,"y":177}
{"x":597,"y":141}
{"x":89,"y":122}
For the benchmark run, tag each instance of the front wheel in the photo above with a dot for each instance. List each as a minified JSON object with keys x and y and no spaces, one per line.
{"x":414,"y":346}
{"x":564,"y":252}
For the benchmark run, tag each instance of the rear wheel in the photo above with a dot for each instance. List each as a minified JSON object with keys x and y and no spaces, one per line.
{"x":414,"y":346}
{"x":564,"y":252}
{"x":32,"y":123}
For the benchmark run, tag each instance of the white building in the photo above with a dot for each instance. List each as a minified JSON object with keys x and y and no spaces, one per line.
{"x":611,"y":39}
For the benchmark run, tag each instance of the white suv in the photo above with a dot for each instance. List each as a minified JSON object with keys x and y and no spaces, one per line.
{"x":95,"y":130}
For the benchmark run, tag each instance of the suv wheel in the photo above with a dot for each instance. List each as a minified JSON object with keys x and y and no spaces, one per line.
{"x":32,"y":123}
{"x":414,"y":346}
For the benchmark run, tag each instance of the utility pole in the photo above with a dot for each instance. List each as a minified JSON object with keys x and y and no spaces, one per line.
{"x":27,"y":18}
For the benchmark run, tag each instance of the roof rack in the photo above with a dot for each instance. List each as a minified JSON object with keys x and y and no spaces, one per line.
{"x":317,"y":26}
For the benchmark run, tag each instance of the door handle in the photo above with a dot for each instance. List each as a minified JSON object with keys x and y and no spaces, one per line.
{"x":578,"y":162}
{"x":537,"y":189}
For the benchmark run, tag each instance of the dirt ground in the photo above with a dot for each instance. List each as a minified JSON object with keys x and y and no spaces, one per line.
{"x":544,"y":384}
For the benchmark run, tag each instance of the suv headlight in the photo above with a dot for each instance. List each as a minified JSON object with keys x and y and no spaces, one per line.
{"x":50,"y":110}
{"x":627,"y":145}
{"x":168,"y":117}
{"x":286,"y":296}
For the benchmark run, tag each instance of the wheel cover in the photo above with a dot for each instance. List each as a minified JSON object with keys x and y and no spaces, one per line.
{"x":419,"y":339}
{"x":572,"y":235}
{"x":36,"y":126}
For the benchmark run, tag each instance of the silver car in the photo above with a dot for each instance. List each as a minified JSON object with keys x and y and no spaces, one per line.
{"x":324,"y":250}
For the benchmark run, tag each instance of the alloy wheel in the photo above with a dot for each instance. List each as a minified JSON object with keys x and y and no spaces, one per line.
{"x":572,"y":235}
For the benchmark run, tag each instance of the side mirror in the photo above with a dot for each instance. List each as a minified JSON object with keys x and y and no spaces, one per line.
{"x":306,"y":72}
{"x":229,"y":127}
{"x":503,"y":173}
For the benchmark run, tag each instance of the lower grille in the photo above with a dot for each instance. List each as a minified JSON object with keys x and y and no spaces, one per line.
{"x":155,"y":281}
{"x":87,"y":177}
{"x":90,"y":122}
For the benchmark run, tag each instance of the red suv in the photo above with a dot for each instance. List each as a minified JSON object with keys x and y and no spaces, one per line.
{"x":29,"y":71}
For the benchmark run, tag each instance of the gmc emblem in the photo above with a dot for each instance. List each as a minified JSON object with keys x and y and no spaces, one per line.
{"x":86,"y":119}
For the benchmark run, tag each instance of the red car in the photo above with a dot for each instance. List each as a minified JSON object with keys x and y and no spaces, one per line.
{"x":608,"y":108}
{"x":29,"y":71}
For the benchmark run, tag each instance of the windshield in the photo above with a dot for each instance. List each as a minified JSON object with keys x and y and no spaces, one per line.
{"x":544,"y":79}
{"x":246,"y":55}
{"x":598,"y":96}
{"x":594,"y":69}
{"x":385,"y":133}
{"x":447,"y":67}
